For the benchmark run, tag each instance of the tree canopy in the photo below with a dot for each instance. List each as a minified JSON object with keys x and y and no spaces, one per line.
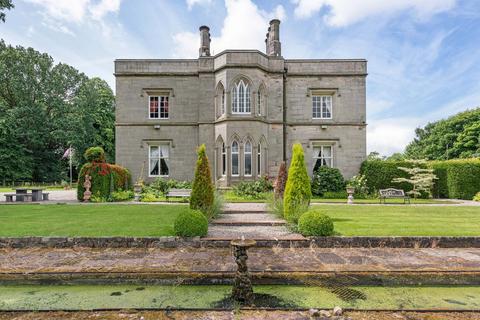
{"x":5,"y":4}
{"x":44,"y":109}
{"x":455,"y":137}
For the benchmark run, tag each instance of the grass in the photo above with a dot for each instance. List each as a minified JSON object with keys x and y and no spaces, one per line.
{"x":404,"y":220}
{"x":91,"y":297}
{"x":389,"y":201}
{"x":88,"y":220}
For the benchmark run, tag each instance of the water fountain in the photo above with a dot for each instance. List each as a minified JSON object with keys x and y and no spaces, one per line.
{"x":242,"y":291}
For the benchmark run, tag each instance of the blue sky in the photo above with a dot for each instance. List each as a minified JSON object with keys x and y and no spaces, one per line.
{"x":423,"y":55}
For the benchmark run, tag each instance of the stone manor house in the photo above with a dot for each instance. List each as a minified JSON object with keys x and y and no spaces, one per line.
{"x":246,"y":106}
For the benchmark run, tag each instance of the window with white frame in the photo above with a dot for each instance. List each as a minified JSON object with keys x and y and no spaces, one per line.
{"x":224,"y":160}
{"x":259,"y":160}
{"x":322,"y":107}
{"x":247,"y":169}
{"x":158,"y":156}
{"x":235,"y":159}
{"x":158,"y":107}
{"x":241,"y":98}
{"x":322,"y":156}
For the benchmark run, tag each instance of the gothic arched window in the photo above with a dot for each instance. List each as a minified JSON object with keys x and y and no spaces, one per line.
{"x":235,"y":159}
{"x":248,"y":159}
{"x":241,"y":98}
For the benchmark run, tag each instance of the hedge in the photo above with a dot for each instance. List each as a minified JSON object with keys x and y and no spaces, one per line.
{"x":440,"y":187}
{"x":106,"y":178}
{"x":459,"y":178}
{"x":379,"y":174}
{"x":463,"y":178}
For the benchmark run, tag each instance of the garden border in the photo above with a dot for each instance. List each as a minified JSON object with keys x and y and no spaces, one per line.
{"x":197,"y":242}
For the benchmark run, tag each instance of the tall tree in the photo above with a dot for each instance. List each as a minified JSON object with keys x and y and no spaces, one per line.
{"x":46,"y":108}
{"x":5,"y":4}
{"x":455,"y":137}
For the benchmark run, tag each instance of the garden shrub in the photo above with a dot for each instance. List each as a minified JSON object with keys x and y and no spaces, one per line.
{"x":202,"y":189}
{"x":121,"y":195}
{"x":164,"y":185}
{"x":217,"y":206}
{"x":281,"y":180}
{"x":298,"y":192}
{"x":275,"y":205}
{"x":476,"y":197}
{"x":149,"y":197}
{"x":315,"y":223}
{"x":253,"y":189}
{"x":335,"y":195}
{"x":327,"y":179}
{"x":463,"y":178}
{"x":191,"y":223}
{"x":105,"y":178}
{"x":359,"y":183}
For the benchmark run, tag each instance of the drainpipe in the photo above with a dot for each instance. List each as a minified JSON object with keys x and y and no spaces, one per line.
{"x":284,"y":107}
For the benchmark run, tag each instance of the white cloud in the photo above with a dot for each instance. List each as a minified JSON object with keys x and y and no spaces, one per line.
{"x":100,"y":9}
{"x":244,"y":27}
{"x":77,"y":10}
{"x":391,"y":135}
{"x":341,"y":13}
{"x":191,"y":3}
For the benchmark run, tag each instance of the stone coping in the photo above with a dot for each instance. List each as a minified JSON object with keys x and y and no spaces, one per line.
{"x":177,"y":242}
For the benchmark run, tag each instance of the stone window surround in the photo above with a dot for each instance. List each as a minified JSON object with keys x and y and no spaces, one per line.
{"x":241,"y":93}
{"x":334,"y":144}
{"x":158,"y":92}
{"x":241,"y":158}
{"x":332,"y":92}
{"x":158,"y":143}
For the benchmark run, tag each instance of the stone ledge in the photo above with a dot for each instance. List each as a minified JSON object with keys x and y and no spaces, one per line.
{"x":176,"y":242}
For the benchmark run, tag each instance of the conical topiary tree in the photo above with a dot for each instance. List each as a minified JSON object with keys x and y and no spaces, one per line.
{"x":202,"y":189}
{"x":281,"y":181}
{"x":298,"y":193}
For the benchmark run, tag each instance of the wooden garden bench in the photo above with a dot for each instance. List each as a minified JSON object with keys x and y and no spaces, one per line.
{"x":20,"y":197}
{"x":178,"y":193}
{"x":392,"y":193}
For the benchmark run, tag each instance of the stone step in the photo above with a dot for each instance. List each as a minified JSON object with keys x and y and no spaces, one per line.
{"x":251,"y":232}
{"x":245,"y":211}
{"x":249,"y":217}
{"x":222,"y":222}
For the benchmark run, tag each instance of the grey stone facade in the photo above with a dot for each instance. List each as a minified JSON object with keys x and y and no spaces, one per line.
{"x":201,"y":103}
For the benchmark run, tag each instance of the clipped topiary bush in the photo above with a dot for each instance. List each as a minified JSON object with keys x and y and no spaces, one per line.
{"x":94,"y":154}
{"x":105,"y":178}
{"x":298,"y":192}
{"x":315,"y":223}
{"x":191,"y":223}
{"x":202,"y":188}
{"x":326,"y":179}
{"x":463,"y":178}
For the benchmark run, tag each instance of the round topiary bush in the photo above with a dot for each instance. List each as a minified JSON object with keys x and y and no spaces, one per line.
{"x":315,"y":223}
{"x":191,"y":223}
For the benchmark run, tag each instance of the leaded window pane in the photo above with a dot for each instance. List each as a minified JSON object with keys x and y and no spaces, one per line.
{"x":322,"y":107}
{"x":159,"y":160}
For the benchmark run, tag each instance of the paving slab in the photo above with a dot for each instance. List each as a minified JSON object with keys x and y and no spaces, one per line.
{"x":189,"y":259}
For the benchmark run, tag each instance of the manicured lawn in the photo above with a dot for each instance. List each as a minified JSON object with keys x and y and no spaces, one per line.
{"x":389,"y":201}
{"x":88,"y":220}
{"x":404,"y":220}
{"x":230,"y":196}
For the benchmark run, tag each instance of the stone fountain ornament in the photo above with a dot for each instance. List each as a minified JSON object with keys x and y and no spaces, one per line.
{"x":242,"y":291}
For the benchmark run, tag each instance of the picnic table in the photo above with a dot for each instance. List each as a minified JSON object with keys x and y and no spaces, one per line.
{"x":37,"y":193}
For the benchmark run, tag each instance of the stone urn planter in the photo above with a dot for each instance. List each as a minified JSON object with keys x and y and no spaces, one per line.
{"x":350,"y":192}
{"x":137,"y":190}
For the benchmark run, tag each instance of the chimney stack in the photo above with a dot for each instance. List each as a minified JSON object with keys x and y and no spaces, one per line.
{"x":204,"y":50}
{"x":273,"y":45}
